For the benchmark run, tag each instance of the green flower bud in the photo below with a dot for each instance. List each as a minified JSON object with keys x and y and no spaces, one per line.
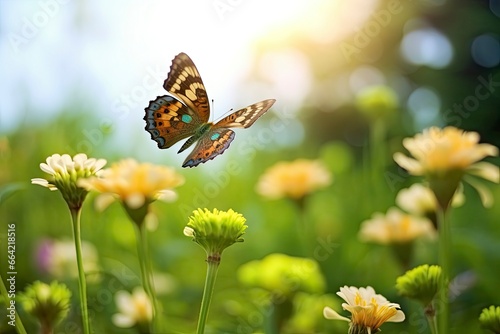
{"x":48,"y":303}
{"x":216,"y":230}
{"x":377,"y":101}
{"x":283,"y":275}
{"x":490,"y":319}
{"x":420,"y":283}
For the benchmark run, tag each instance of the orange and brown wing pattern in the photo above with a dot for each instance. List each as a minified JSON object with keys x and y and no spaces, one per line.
{"x":168,"y":121}
{"x":245,"y":117}
{"x":184,"y":81}
{"x":210,"y":145}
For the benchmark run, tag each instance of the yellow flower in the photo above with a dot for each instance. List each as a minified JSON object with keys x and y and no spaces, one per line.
{"x":443,"y":156}
{"x":395,"y":227}
{"x":440,"y":150}
{"x":293,"y":179}
{"x":368,"y":310}
{"x":134,"y":308}
{"x":134,"y":184}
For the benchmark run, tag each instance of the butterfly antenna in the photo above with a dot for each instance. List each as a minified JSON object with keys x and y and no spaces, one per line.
{"x":213,"y":110}
{"x":227,"y":112}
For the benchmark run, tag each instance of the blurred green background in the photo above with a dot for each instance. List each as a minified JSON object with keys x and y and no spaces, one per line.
{"x":77,"y":75}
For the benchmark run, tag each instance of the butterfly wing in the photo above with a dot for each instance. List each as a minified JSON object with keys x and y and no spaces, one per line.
{"x":245,"y":117}
{"x":216,"y":140}
{"x":168,"y":121}
{"x":211,"y":144}
{"x":184,"y":81}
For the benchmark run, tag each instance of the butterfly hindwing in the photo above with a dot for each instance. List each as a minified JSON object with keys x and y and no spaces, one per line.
{"x":245,"y":117}
{"x":184,"y":81}
{"x":211,"y":144}
{"x":168,"y":121}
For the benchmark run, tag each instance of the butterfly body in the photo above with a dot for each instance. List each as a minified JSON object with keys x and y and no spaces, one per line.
{"x":185,"y":113}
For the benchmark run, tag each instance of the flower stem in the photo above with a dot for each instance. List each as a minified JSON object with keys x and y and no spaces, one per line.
{"x":445,"y":262}
{"x":146,"y":274}
{"x":75,"y":216}
{"x":3,"y":291}
{"x":212,"y":267}
{"x":378,"y":153}
{"x":430,"y":314}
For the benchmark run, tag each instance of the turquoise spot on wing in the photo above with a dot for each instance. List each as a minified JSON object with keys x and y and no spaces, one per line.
{"x":215,"y":136}
{"x":186,"y":118}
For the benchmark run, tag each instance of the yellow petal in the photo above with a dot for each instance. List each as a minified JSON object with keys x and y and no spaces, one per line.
{"x":486,"y":171}
{"x":411,"y":165}
{"x":484,"y":192}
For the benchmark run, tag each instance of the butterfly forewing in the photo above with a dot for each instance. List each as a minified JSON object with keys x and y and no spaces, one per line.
{"x":210,"y":145}
{"x":184,"y":81}
{"x":245,"y":117}
{"x":168,"y":121}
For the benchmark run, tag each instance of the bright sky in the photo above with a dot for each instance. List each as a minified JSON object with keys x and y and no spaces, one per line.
{"x":111,"y":57}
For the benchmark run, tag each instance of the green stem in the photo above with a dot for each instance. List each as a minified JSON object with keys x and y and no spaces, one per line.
{"x":445,"y":263}
{"x":378,"y":154}
{"x":146,"y":274}
{"x":304,"y":229}
{"x":212,"y":267}
{"x":430,"y":314}
{"x":19,"y":324}
{"x":75,"y":216}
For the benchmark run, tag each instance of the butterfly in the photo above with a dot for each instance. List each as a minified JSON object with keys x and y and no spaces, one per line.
{"x":185,"y":112}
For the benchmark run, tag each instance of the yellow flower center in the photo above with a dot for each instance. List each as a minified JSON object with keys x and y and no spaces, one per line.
{"x":369,"y":313}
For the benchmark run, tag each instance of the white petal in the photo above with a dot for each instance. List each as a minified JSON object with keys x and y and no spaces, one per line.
{"x":398,"y":317}
{"x":123,"y":321}
{"x":43,"y":183}
{"x":188,"y":231}
{"x":103,"y":201}
{"x":330,"y":314}
{"x":411,"y":165}
{"x":348,"y":294}
{"x":135,"y":201}
{"x":99,"y":164}
{"x":125,"y":303}
{"x":166,"y":195}
{"x":47,"y":169}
